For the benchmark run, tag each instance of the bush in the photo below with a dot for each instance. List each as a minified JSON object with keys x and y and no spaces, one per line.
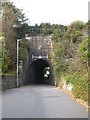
{"x":80,"y":89}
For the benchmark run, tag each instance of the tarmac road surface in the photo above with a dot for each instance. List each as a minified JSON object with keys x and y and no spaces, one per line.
{"x":40,"y":101}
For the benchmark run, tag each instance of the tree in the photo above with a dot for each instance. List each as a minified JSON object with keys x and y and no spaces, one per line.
{"x":12,"y":18}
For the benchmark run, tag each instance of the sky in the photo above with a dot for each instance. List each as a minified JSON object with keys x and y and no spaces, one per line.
{"x":54,"y":11}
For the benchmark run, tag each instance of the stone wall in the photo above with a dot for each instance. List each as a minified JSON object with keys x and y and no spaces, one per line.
{"x":9,"y":82}
{"x":0,"y":83}
{"x":38,"y":45}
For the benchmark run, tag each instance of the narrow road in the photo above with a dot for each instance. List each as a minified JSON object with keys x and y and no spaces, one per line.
{"x":0,"y":105}
{"x":40,"y":101}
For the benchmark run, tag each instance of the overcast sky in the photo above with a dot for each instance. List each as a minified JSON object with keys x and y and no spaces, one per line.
{"x":54,"y":11}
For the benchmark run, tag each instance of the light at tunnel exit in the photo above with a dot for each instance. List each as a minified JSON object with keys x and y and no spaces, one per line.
{"x":39,"y":72}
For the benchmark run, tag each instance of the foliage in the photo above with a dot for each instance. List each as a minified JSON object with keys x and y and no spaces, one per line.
{"x":71,"y":57}
{"x":12,"y":19}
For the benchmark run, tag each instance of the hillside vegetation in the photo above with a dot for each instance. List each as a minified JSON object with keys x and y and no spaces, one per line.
{"x":70,"y":55}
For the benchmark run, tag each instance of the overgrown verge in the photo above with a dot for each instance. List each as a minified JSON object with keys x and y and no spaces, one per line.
{"x":71,"y":59}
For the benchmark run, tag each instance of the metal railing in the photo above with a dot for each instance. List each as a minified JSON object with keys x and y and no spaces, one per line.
{"x":39,"y":57}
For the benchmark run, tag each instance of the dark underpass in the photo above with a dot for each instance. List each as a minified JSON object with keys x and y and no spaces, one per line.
{"x":40,"y":72}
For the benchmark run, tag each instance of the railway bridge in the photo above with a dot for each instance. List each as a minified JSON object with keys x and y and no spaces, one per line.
{"x":38,"y":68}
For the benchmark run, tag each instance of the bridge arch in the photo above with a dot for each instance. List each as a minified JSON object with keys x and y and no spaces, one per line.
{"x":40,"y":71}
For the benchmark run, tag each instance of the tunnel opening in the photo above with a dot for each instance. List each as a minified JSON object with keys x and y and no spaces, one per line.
{"x":39,"y":72}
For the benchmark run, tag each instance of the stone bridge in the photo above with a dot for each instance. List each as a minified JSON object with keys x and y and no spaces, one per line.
{"x":38,"y":68}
